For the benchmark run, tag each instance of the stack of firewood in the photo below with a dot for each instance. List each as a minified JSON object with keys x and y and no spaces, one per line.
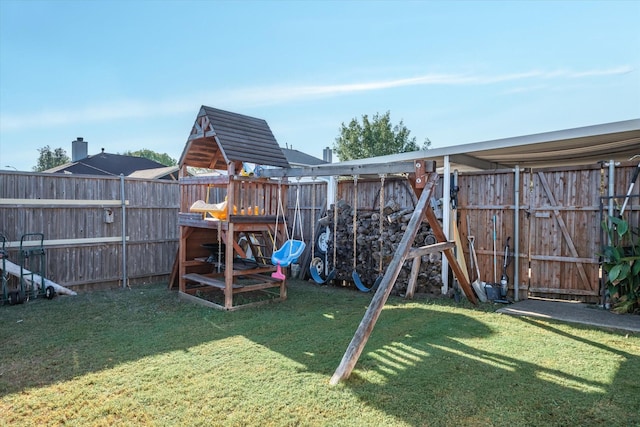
{"x":374,"y":244}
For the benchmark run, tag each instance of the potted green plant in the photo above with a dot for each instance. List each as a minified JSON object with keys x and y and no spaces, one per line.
{"x":621,"y":263}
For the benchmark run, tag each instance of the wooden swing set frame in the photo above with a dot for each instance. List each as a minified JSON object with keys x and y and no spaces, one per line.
{"x":424,"y":179}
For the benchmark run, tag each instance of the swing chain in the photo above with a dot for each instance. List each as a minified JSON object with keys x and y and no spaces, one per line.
{"x":355,"y":219}
{"x":280,"y":211}
{"x":219,"y":246}
{"x":335,"y":220}
{"x":297,"y":214}
{"x":275,"y":231}
{"x":313,"y":218}
{"x":382,"y":179}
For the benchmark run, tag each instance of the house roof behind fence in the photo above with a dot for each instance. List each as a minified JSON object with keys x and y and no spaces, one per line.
{"x":106,"y":164}
{"x":296,"y":157}
{"x":221,"y":137}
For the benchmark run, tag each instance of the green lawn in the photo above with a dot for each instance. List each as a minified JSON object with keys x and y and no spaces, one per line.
{"x":143,"y":357}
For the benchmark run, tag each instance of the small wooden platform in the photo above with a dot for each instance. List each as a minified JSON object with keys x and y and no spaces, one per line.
{"x":208,"y":280}
{"x":241,"y":266}
{"x":201,"y":282}
{"x":189,"y":219}
{"x":264,"y":281}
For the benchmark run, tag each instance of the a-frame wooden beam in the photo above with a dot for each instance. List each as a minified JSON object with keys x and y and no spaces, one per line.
{"x":359,"y":340}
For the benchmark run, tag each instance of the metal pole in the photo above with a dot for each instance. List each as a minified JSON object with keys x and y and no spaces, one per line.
{"x":332,"y":186}
{"x":612,"y":184}
{"x":516,"y":237}
{"x":124,"y":233}
{"x":446,"y":218}
{"x":611,"y":192}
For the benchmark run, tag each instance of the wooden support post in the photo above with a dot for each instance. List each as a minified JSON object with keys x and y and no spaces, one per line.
{"x":365,"y":328}
{"x":185,"y":232}
{"x":228,"y":268}
{"x":229,"y":239}
{"x":417,"y":254}
{"x":413,"y":278}
{"x":182,"y":257}
{"x":451,"y":257}
{"x":283,"y":290}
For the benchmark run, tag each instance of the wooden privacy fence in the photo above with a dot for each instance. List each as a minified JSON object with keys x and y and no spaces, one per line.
{"x":558,"y":222}
{"x":558,"y":225}
{"x":81,"y":218}
{"x":559,"y":217}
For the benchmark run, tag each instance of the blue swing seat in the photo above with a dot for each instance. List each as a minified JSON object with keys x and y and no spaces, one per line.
{"x":318,"y":279}
{"x":288,"y":253}
{"x":358,"y":282}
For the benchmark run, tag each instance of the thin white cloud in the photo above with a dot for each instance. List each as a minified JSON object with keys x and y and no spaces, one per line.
{"x":280,"y":94}
{"x":98,"y":113}
{"x":274,"y":95}
{"x":598,"y":73}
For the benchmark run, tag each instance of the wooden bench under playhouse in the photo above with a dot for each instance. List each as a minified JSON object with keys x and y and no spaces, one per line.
{"x":232,"y":223}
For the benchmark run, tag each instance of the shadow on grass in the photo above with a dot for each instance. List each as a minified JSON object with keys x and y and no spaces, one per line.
{"x":44,"y":342}
{"x":418,"y":366}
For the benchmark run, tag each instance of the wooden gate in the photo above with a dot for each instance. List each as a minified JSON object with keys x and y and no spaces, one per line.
{"x":559,"y":226}
{"x":564,"y":232}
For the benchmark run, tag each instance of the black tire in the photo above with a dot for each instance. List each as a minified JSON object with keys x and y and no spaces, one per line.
{"x":49,"y":292}
{"x":322,"y":241}
{"x":15,"y":297}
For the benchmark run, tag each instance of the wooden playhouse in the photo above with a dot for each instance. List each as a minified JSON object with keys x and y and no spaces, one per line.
{"x":230,"y":219}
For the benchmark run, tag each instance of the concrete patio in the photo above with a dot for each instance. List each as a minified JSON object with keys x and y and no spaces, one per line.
{"x":573,"y":312}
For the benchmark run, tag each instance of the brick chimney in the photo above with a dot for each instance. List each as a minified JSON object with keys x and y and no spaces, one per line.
{"x":79,"y":149}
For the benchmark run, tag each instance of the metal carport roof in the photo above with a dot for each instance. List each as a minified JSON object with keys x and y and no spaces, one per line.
{"x":618,"y":141}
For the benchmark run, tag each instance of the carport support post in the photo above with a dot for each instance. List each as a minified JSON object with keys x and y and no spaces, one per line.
{"x":516,"y":237}
{"x":612,"y":187}
{"x":446,"y":210}
{"x":332,"y":184}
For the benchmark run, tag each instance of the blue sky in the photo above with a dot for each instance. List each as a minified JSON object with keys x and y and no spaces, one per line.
{"x":128,"y":75}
